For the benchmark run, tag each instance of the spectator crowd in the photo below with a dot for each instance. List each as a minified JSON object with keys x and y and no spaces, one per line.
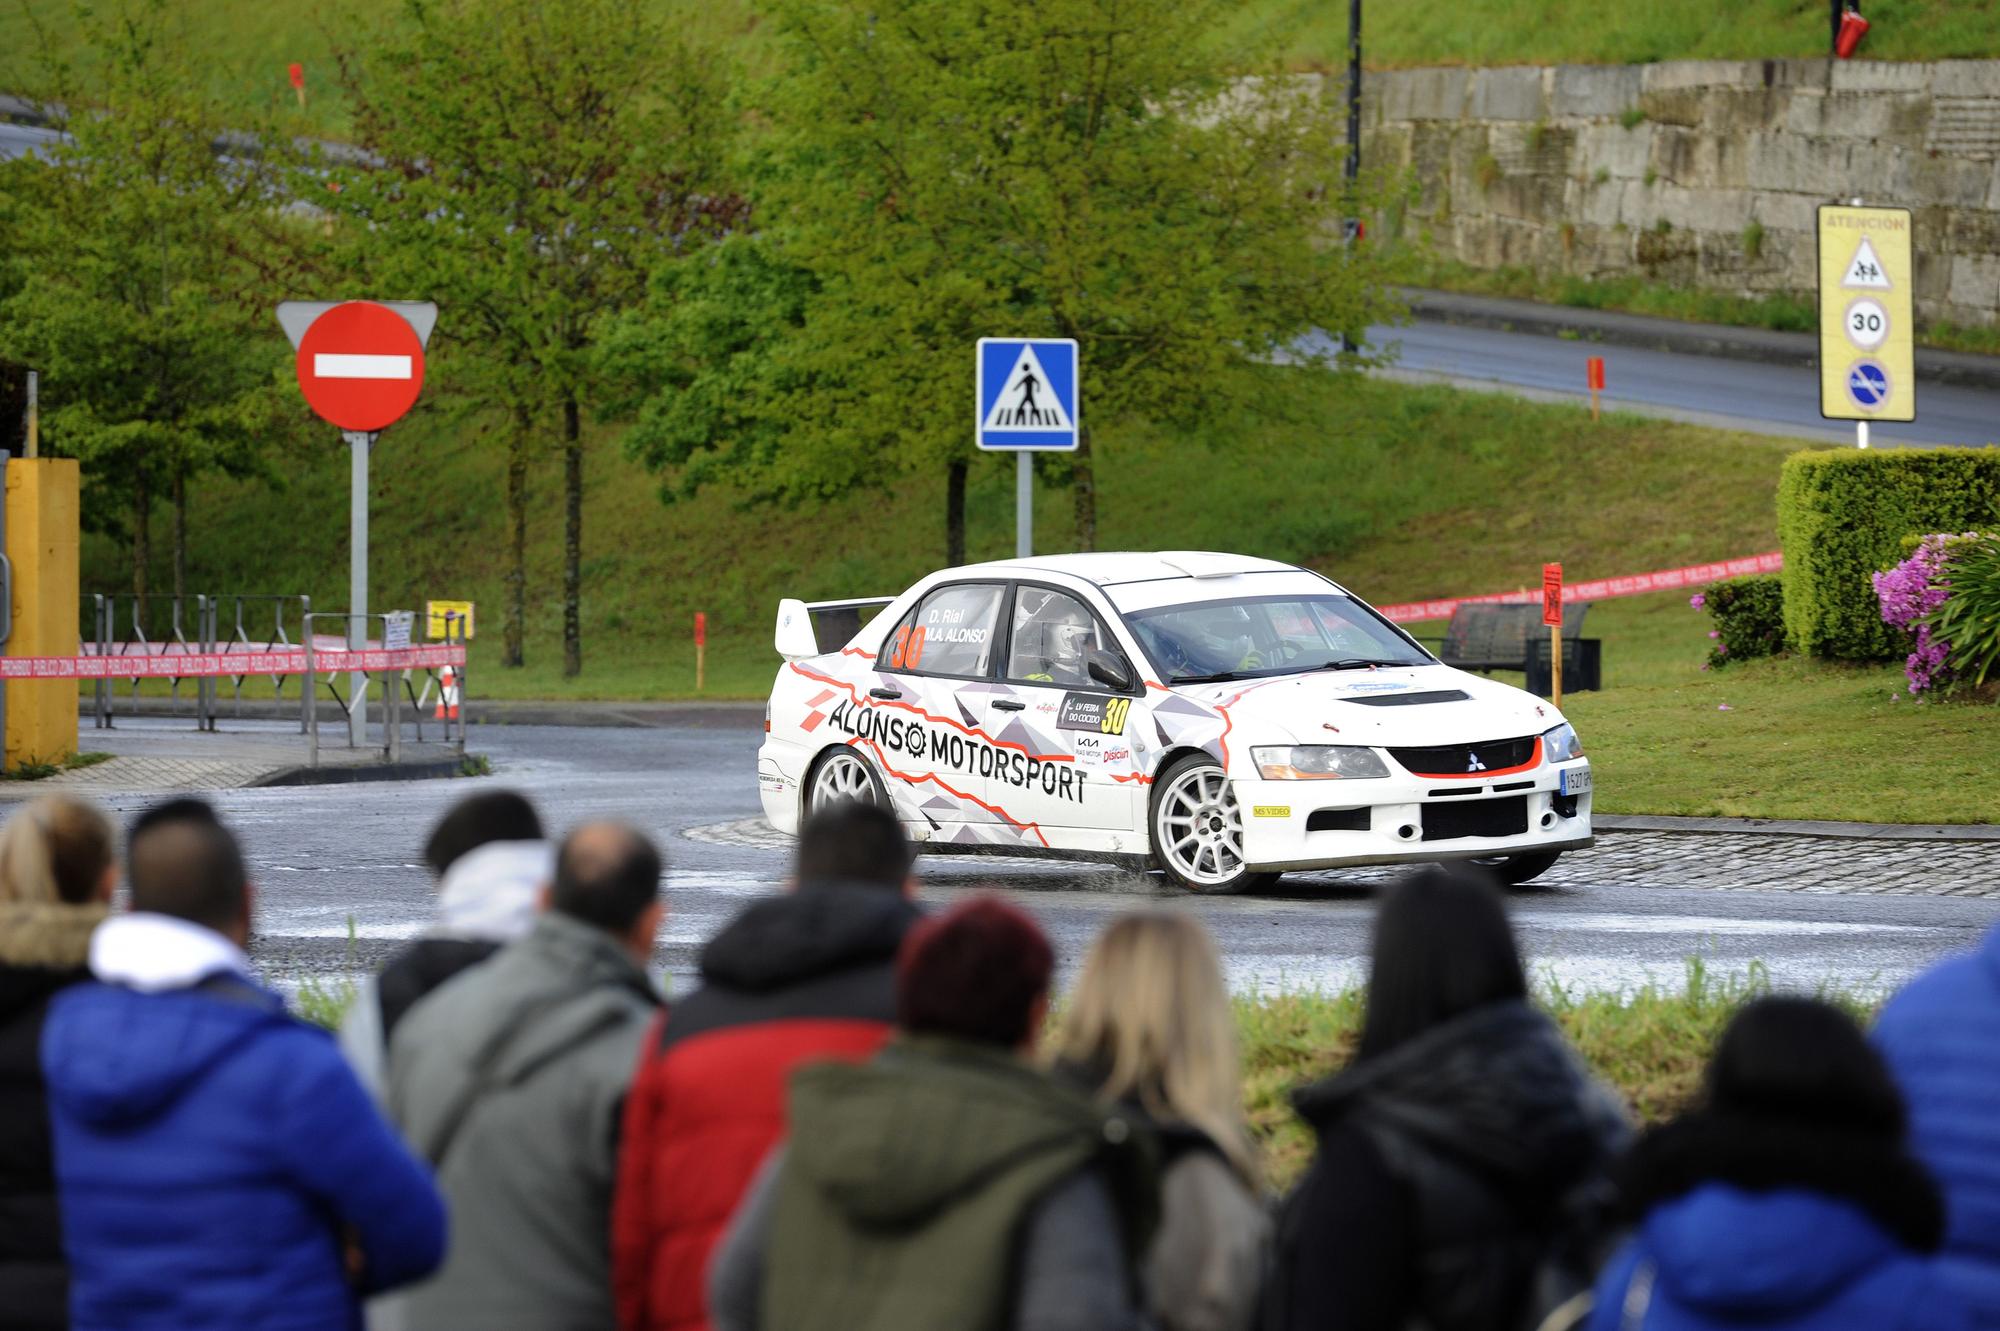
{"x":864,"y":1118}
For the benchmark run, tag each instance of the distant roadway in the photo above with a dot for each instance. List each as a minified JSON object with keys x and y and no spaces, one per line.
{"x":1724,"y":391}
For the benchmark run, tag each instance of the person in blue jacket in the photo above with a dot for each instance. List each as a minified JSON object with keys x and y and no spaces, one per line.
{"x":1789,"y":1201}
{"x":1941,"y":1037}
{"x":217,"y":1162}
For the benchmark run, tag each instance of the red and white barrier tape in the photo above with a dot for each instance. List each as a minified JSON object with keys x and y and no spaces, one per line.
{"x":284,"y":661}
{"x":1634,"y":584}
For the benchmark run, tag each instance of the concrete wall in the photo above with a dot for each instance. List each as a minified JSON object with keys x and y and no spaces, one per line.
{"x":1700,"y":172}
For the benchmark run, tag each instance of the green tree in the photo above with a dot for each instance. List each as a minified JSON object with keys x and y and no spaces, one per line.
{"x":525,"y":163}
{"x":940,"y":170}
{"x":135,"y":256}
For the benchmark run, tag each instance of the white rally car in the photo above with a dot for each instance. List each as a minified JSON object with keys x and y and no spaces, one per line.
{"x":1221,"y":718}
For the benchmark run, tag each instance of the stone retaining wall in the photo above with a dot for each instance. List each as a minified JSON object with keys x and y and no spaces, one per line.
{"x":1701,"y":172}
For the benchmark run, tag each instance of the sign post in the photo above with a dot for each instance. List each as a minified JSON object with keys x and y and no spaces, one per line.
{"x":1026,"y":404}
{"x":360,"y":365}
{"x":1552,"y":615}
{"x":700,"y":650}
{"x":1867,"y":355}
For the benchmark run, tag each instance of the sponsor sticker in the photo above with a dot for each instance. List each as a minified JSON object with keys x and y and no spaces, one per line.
{"x":1376,"y":686}
{"x":1270,"y":810}
{"x":1089,"y":748}
{"x":930,"y":747}
{"x":1093,"y":711}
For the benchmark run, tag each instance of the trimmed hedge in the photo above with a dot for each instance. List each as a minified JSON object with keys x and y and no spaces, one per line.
{"x":1844,"y":514}
{"x":1749,"y":618}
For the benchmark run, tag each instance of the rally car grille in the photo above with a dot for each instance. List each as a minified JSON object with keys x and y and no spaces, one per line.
{"x":1504,"y":817}
{"x":1493,"y":755}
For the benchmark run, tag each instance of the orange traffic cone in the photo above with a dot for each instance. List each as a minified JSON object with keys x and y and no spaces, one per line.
{"x":447,"y":703}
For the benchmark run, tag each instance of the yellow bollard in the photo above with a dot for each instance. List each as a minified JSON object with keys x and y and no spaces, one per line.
{"x":41,"y":543}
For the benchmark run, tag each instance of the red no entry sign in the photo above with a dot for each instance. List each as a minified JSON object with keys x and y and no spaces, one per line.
{"x":361,"y":365}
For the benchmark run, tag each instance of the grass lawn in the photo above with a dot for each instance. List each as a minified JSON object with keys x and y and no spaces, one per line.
{"x":1650,"y":1045}
{"x":244,"y":45}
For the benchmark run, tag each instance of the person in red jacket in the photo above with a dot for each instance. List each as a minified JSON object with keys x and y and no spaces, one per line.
{"x":802,"y":977}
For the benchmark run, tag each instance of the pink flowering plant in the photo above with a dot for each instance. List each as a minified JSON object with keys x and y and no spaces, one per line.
{"x":1917,"y":596}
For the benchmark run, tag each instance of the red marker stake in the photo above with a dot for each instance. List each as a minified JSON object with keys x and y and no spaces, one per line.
{"x":700,"y":650}
{"x":297,"y":72}
{"x":1593,"y":371}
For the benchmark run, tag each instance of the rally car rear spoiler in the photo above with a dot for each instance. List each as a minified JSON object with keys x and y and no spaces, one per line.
{"x":813,"y":628}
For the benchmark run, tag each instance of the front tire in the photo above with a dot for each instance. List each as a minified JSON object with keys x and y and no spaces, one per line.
{"x":1514,"y":870}
{"x":1195,"y":827}
{"x":841,"y":775}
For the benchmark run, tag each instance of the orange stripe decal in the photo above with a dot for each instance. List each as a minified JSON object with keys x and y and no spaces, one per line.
{"x":974,"y":731}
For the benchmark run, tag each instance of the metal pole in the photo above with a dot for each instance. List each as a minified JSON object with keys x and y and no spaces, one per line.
{"x":311,"y":683}
{"x":1861,"y":434}
{"x":34,"y":414}
{"x":360,"y":443}
{"x":1024,"y":504}
{"x":1354,"y":89}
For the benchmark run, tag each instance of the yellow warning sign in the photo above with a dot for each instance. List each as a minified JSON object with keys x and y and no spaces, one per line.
{"x":1867,"y":360}
{"x":434,"y":619}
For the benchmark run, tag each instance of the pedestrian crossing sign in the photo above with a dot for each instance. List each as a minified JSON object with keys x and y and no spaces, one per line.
{"x":1027,"y":398}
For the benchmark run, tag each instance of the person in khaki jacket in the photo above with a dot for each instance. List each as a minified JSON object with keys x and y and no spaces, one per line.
{"x":511,"y":1080}
{"x":1149,"y":1029}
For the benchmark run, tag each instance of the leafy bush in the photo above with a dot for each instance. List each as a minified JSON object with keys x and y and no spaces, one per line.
{"x":1969,"y":620}
{"x":1843,"y":514}
{"x":1749,"y":618}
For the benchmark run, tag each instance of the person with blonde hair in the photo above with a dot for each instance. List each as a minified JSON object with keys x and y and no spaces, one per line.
{"x":1149,"y":1027}
{"x":58,"y":866}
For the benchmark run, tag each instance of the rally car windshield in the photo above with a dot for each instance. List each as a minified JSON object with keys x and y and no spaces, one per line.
{"x":1269,"y":635}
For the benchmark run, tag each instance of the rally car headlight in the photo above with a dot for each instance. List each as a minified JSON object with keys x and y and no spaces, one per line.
{"x":1316,"y":762}
{"x":1561,"y":744}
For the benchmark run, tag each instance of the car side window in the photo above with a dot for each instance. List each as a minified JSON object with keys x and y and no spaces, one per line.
{"x":1052,"y":631}
{"x":949,"y":633}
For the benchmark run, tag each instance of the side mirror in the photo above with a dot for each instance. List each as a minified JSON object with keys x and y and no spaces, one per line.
{"x":1108,"y":668}
{"x":795,"y":639}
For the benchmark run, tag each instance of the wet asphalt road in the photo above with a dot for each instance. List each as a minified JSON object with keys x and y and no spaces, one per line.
{"x":329,"y":858}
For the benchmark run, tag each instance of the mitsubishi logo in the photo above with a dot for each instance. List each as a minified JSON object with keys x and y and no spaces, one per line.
{"x":1473,"y":764}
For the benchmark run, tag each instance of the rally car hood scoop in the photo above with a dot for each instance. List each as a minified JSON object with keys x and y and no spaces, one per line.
{"x":1416,"y":705}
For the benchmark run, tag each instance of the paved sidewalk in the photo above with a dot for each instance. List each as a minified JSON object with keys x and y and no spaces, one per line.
{"x":162,"y":755}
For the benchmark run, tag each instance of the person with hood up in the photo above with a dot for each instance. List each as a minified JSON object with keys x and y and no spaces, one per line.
{"x":492,"y":866}
{"x":1149,"y":1028}
{"x":1789,"y":1201}
{"x":218,"y":1164}
{"x":1451,"y":1149}
{"x":806,"y":975}
{"x":947,"y":1182}
{"x":511,"y":1079}
{"x":58,"y":866}
{"x":1941,"y":1038}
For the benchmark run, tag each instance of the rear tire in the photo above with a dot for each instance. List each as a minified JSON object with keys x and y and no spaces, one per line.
{"x":1514,"y":870}
{"x":840,"y":775}
{"x":1195,"y":828}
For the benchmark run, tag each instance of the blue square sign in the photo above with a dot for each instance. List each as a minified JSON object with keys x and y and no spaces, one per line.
{"x":1027,"y":393}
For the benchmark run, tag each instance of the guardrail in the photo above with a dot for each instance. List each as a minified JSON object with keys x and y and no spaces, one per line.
{"x":397,"y":662}
{"x":205,"y":660}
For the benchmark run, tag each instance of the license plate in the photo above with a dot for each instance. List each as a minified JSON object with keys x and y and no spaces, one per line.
{"x":1575,"y":781}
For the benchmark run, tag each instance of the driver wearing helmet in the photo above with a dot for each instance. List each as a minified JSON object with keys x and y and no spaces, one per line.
{"x":1065,"y":632}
